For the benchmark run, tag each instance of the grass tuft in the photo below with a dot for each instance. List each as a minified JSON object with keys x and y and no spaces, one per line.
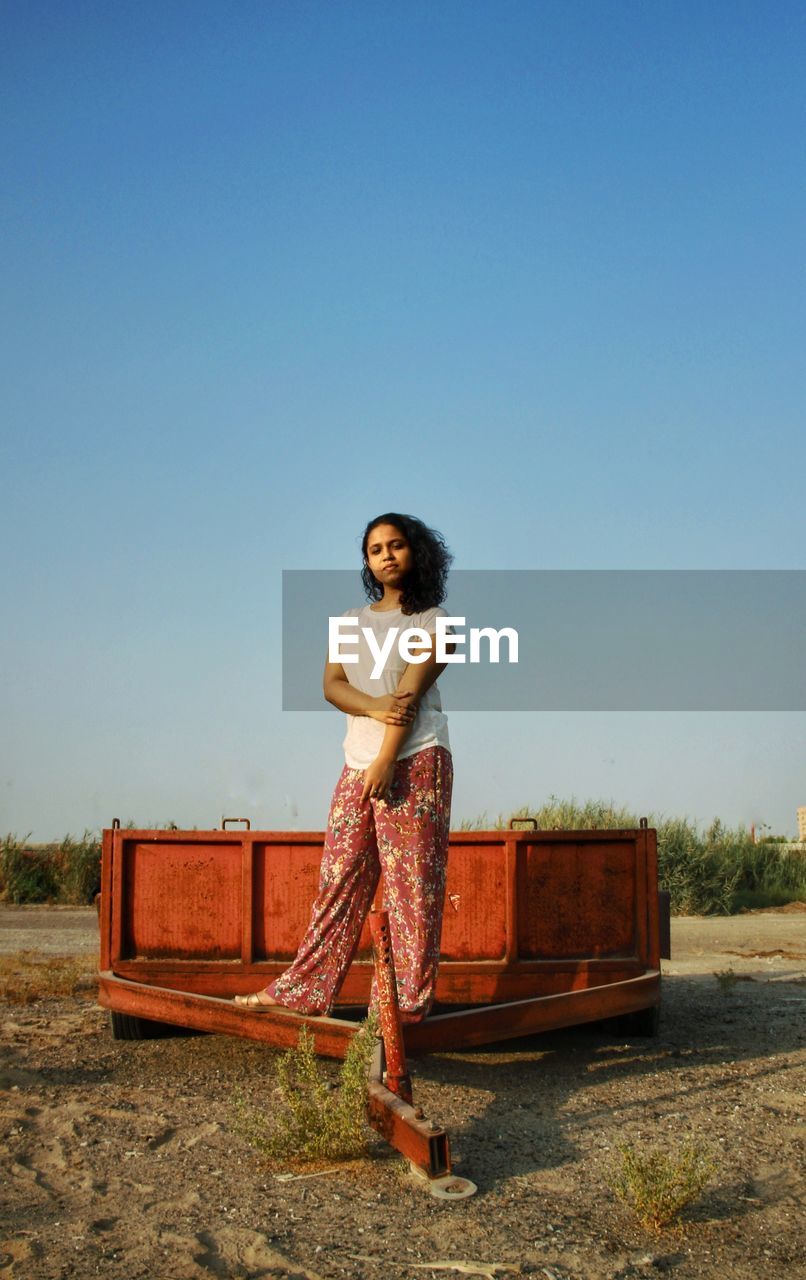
{"x":657,"y":1185}
{"x":728,"y":978}
{"x":312,"y":1121}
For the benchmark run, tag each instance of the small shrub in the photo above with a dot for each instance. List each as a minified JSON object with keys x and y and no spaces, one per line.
{"x":313,"y":1121}
{"x":727,"y":979}
{"x":657,"y":1186}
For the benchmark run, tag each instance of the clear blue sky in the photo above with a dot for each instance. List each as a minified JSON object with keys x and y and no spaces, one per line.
{"x":533,"y":271}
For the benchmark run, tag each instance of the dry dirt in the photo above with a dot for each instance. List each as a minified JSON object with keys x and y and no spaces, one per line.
{"x":123,"y":1160}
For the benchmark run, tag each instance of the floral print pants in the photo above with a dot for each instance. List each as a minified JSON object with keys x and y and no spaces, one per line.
{"x":406,"y":835}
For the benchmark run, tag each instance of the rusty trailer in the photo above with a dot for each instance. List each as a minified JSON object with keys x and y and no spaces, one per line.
{"x":542,"y":930}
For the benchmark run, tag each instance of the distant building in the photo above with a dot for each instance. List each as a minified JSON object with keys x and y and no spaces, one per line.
{"x":802,"y":822}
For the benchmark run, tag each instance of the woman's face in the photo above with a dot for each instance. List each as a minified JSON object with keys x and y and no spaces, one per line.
{"x":389,"y":555}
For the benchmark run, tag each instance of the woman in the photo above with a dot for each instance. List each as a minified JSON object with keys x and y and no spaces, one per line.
{"x":391,"y":806}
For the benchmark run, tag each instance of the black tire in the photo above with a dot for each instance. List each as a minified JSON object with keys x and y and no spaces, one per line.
{"x":127,"y":1026}
{"x":642,"y":1023}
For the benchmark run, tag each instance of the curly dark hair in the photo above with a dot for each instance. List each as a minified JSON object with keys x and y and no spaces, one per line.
{"x":425,"y":585}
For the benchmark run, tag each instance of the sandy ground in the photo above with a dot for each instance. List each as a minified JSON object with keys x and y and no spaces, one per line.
{"x":124,"y":1159}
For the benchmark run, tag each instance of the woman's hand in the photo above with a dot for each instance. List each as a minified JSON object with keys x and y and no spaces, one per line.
{"x":394,"y":708}
{"x":378,"y":779}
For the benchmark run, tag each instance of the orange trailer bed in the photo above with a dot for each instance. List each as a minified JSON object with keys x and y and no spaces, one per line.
{"x":542,"y":929}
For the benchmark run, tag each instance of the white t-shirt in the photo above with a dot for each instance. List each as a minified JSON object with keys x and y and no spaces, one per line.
{"x":365,"y":735}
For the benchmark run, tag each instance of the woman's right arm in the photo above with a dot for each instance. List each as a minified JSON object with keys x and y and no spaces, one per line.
{"x":389,"y":709}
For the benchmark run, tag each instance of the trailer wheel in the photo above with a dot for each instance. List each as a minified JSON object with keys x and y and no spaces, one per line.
{"x":127,"y":1026}
{"x":644,"y":1022}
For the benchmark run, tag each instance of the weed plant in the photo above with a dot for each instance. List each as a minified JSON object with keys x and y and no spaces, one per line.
{"x":657,"y":1185}
{"x":727,"y":979}
{"x":311,"y":1121}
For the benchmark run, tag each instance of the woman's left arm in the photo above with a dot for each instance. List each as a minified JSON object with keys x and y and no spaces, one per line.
{"x":417,"y":680}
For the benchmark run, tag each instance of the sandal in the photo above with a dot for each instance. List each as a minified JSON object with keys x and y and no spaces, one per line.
{"x":255,"y":1001}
